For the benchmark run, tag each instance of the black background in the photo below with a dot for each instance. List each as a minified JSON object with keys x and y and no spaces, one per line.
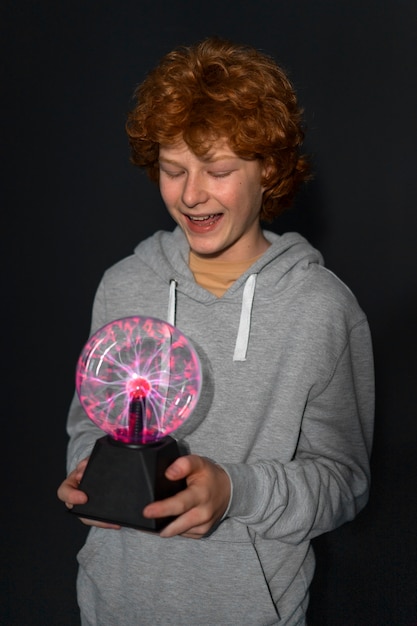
{"x":72,"y":204}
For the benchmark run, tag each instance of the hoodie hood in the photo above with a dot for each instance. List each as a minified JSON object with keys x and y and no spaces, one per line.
{"x":287,"y":259}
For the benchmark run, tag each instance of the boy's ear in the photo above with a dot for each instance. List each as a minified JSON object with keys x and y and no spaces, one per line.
{"x":266,"y":172}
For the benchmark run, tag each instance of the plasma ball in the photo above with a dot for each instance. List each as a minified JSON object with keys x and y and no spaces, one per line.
{"x":138,"y":379}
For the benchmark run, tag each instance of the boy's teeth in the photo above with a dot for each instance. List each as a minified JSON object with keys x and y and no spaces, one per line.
{"x":201,"y":219}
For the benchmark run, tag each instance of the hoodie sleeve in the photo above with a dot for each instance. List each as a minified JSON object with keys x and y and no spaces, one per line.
{"x":327,"y":481}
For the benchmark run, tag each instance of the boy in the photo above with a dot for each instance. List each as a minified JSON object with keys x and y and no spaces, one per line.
{"x":282,"y":454}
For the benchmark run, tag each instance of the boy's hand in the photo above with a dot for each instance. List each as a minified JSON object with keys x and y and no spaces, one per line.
{"x":198,"y":507}
{"x":70,"y":494}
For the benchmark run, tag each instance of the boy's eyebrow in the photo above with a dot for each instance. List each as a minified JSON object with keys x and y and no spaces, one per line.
{"x":208,"y":159}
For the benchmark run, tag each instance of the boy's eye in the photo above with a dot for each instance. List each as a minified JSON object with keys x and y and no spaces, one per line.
{"x":220,"y":174}
{"x":171,"y":173}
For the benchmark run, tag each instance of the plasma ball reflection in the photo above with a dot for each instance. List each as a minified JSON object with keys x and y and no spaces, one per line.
{"x":138,"y":379}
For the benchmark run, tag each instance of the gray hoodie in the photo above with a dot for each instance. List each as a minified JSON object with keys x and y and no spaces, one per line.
{"x":287,"y":410}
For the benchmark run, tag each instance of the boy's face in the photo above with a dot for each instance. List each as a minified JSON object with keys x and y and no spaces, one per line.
{"x":215,"y":199}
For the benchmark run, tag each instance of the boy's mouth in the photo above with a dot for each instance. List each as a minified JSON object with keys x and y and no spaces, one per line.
{"x":203,"y":223}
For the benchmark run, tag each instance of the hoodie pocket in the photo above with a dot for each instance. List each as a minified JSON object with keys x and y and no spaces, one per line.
{"x":128,"y":577}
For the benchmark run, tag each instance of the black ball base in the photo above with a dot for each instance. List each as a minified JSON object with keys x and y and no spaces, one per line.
{"x":121,"y":479}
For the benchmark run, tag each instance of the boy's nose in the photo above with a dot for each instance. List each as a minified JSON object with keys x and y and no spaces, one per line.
{"x":194,"y":192}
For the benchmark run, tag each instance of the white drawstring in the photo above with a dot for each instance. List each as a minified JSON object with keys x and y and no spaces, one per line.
{"x":242,"y":338}
{"x":172,"y":302}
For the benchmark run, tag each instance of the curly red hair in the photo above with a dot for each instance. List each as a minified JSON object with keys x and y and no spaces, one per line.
{"x":214,"y":90}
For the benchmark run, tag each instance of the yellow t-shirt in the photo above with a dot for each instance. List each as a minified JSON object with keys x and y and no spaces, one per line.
{"x":217,"y":276}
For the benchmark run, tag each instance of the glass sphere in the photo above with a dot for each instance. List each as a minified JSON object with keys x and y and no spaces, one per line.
{"x":138,"y":379}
